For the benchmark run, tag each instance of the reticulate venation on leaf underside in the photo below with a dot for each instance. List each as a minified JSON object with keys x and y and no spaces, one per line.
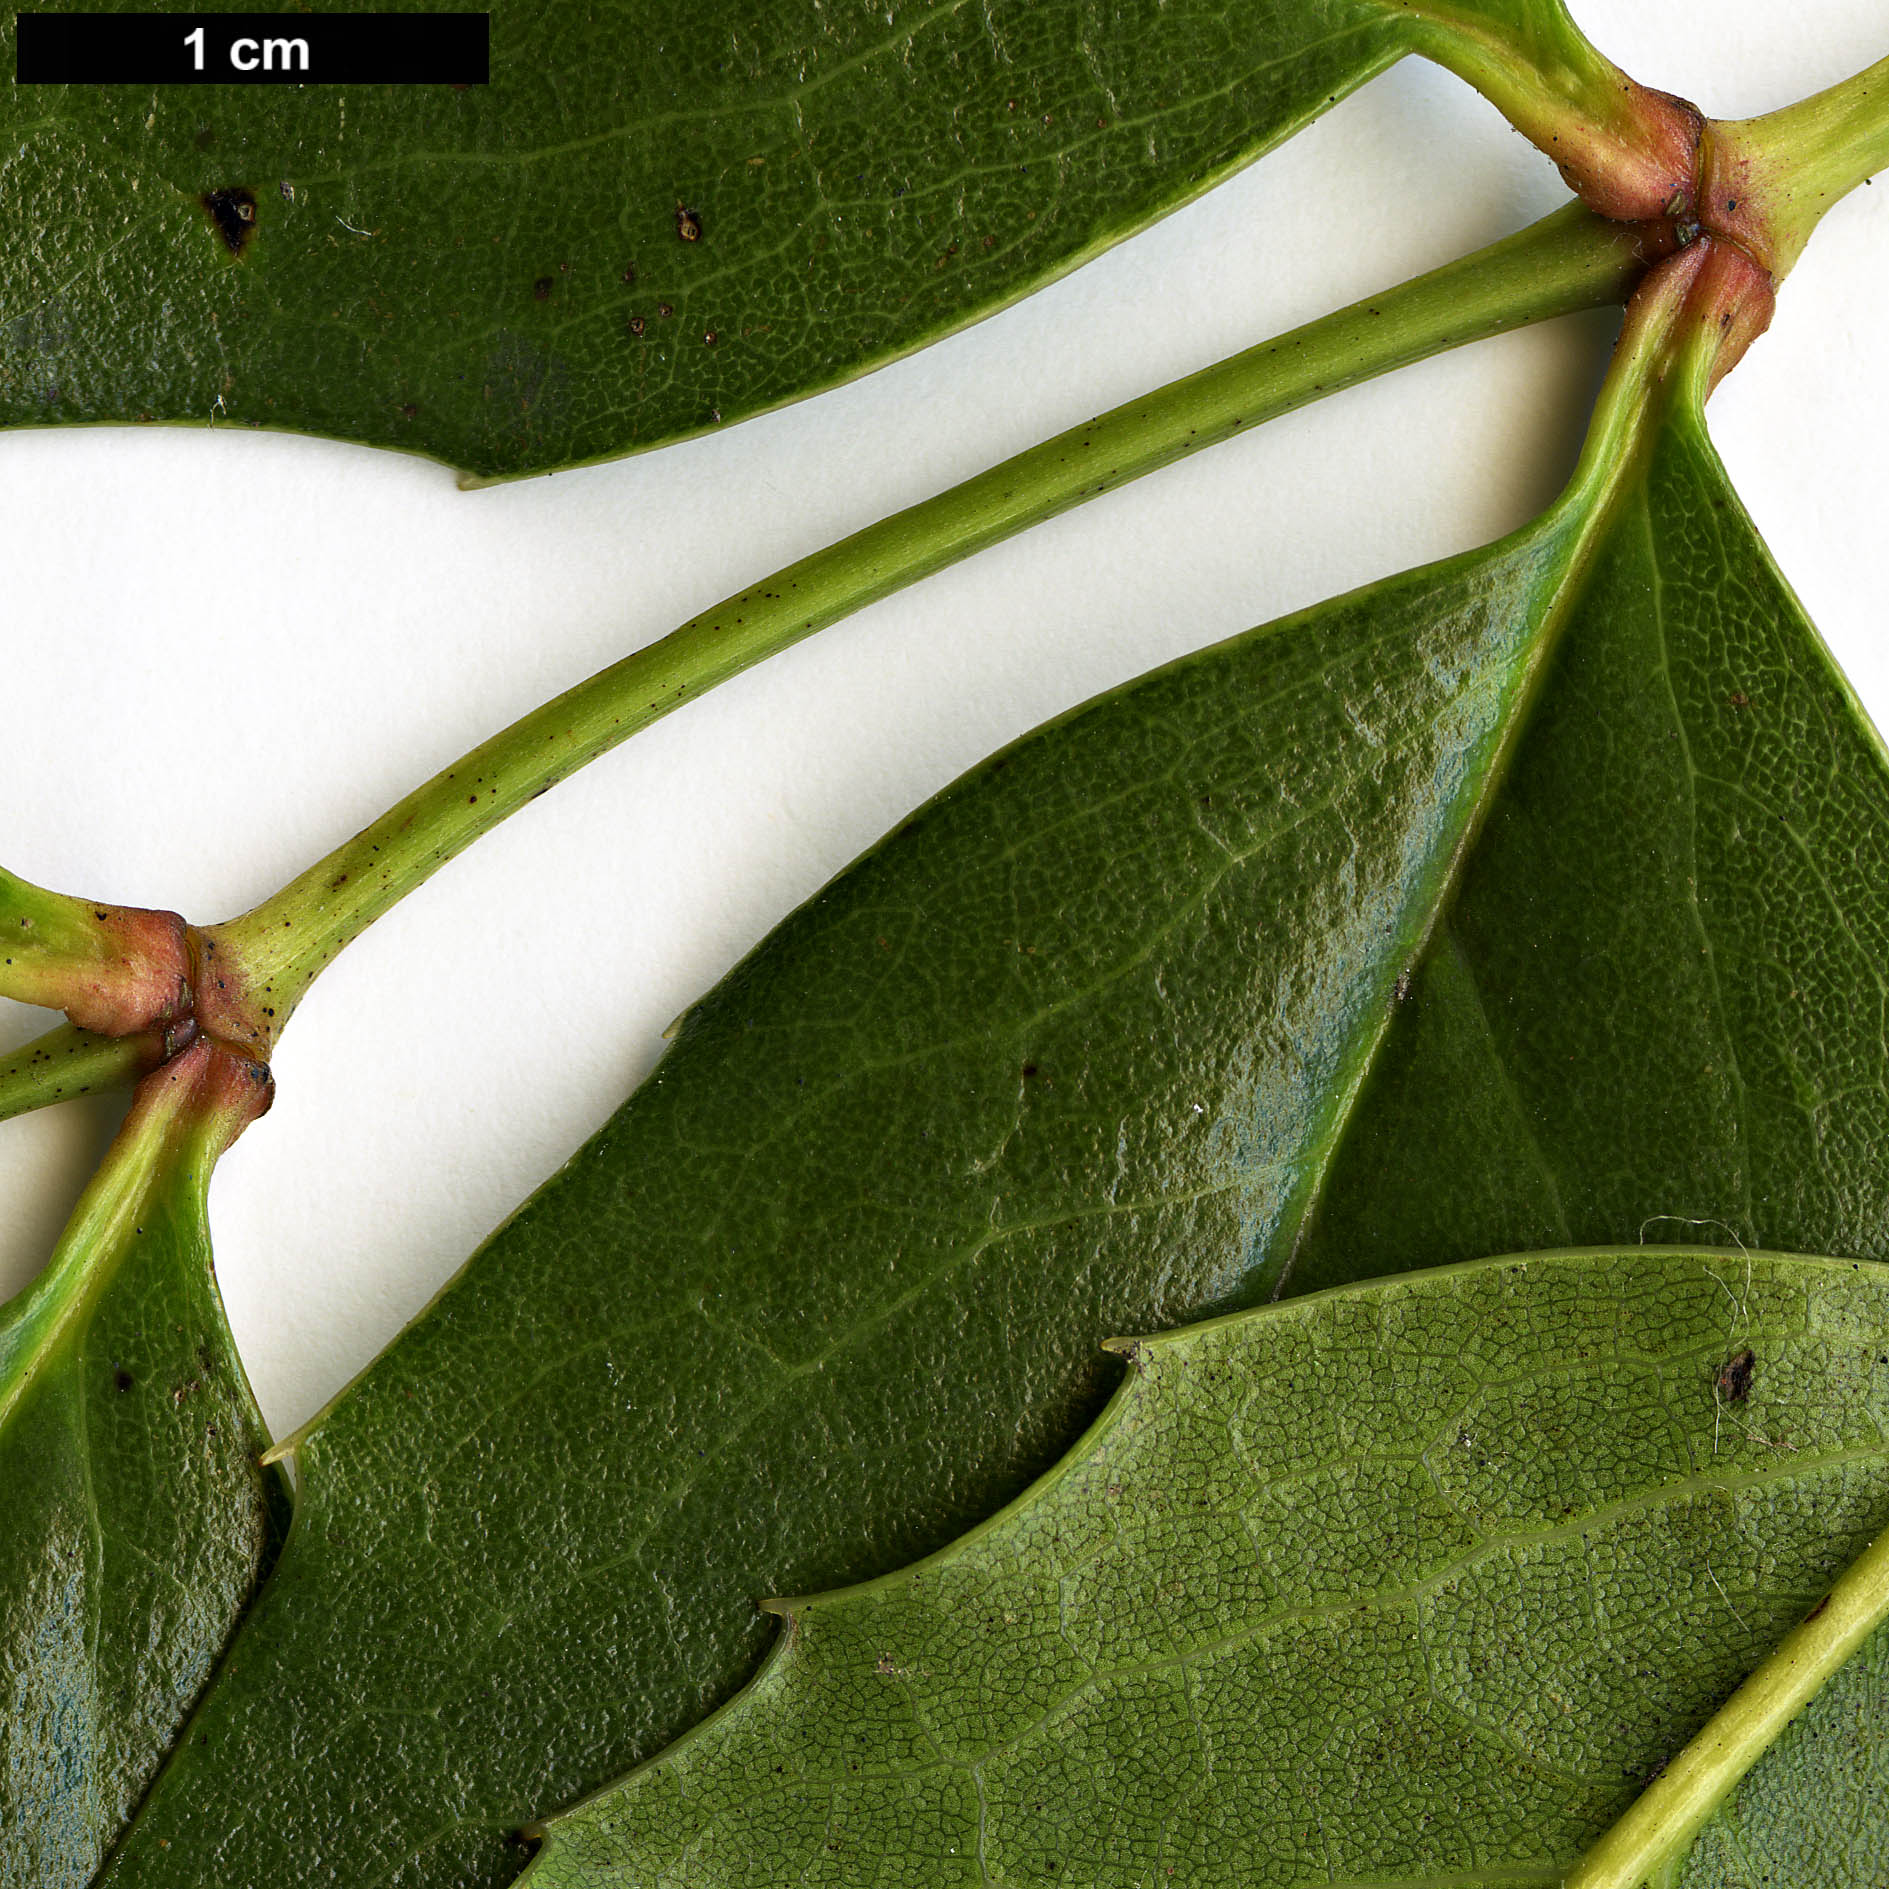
{"x":1516,"y":902}
{"x":1413,"y":1582}
{"x":1048,"y":1061}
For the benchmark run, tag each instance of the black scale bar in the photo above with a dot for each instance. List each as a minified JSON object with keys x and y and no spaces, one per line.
{"x":253,"y":49}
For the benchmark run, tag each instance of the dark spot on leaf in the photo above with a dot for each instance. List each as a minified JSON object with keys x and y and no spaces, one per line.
{"x":636,"y":324}
{"x":288,"y":191}
{"x":1029,"y":1069}
{"x":1739,"y":699}
{"x":1734,"y":1376}
{"x":629,"y":275}
{"x":234,"y":214}
{"x":708,"y":339}
{"x":664,"y":310}
{"x":541,"y":289}
{"x":409,"y":411}
{"x":688,"y":225}
{"x":123,"y":1379}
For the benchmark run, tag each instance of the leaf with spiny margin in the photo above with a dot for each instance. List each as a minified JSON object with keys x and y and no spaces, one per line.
{"x":830,"y":1288}
{"x":659,"y":217}
{"x":1079,"y":1049}
{"x":1409,"y":1583}
{"x":135,"y":1522}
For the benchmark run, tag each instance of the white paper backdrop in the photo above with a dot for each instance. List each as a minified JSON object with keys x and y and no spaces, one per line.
{"x":226,"y":651}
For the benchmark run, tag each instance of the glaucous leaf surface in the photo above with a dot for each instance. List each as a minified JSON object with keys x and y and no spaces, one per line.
{"x":1817,"y":1801}
{"x":1410,"y":1583}
{"x":1079,"y":1049}
{"x":658,"y":218}
{"x":135,"y":1521}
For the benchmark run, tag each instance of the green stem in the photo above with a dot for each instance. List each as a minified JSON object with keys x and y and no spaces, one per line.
{"x":1669,"y":1812}
{"x":1770,"y":180}
{"x":1627,"y":151}
{"x":1839,"y":136}
{"x":70,"y":1062}
{"x":1569,"y":261}
{"x":114,"y":969}
{"x":184,"y":1117}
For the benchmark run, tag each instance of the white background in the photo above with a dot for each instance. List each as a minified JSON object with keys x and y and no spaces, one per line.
{"x":226,"y":651}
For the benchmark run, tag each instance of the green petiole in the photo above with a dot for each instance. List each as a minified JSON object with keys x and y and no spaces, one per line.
{"x":1671,"y":1810}
{"x":69,"y":1062}
{"x":1571,"y":260}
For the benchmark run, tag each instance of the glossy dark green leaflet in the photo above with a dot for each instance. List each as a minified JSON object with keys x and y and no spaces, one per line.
{"x":655,"y":220}
{"x":1045,"y":1065}
{"x":135,"y":1521}
{"x":1410,"y":1583}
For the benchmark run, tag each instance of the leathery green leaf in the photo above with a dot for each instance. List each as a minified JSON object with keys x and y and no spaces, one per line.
{"x":1822,"y":1792}
{"x":1654,"y":999}
{"x":1408,"y":1583}
{"x":652,"y":222}
{"x":136,"y":1520}
{"x":1045,"y":1065}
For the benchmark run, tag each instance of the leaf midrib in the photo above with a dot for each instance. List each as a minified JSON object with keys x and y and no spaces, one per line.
{"x":1409,"y":1597}
{"x":1603,"y":482}
{"x":793,"y":92}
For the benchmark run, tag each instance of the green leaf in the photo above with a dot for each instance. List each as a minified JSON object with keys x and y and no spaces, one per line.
{"x":1654,"y":1000}
{"x":1822,"y":1791}
{"x":1048,"y":1064}
{"x":833,"y":1281}
{"x":136,"y":1521}
{"x":650,"y":223}
{"x":1411,"y":1583}
{"x":668,"y":218}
